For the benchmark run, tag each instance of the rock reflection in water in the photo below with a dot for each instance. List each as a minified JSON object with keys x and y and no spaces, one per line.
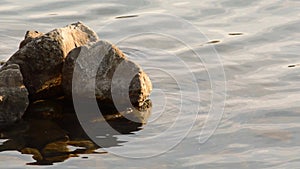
{"x":50,"y":131}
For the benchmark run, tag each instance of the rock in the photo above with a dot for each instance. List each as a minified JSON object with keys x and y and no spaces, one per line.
{"x":29,"y":36}
{"x":114,"y":72}
{"x":41,"y":57}
{"x":13,"y":95}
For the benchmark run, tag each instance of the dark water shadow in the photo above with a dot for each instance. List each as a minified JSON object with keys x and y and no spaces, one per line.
{"x":51,"y":132}
{"x":127,"y":16}
{"x":235,"y":33}
{"x":294,"y":65}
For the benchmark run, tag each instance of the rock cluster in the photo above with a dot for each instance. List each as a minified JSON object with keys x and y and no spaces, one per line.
{"x":43,"y":68}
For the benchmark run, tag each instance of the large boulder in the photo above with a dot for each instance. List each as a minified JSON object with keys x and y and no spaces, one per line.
{"x":41,"y":57}
{"x":13,"y":95}
{"x":104,"y":72}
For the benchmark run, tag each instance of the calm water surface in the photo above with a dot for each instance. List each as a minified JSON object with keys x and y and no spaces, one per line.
{"x":256,"y":42}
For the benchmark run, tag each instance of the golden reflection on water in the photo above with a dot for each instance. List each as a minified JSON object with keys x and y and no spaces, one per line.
{"x":50,"y":131}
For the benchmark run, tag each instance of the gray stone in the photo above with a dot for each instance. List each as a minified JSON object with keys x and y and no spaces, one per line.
{"x":102,"y":70}
{"x":41,"y":57}
{"x":13,"y":95}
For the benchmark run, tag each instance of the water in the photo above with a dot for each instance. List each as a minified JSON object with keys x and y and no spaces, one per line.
{"x":256,"y":42}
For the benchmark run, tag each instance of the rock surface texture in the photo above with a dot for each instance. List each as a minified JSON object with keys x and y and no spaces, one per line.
{"x":13,"y":95}
{"x":101,"y":70}
{"x":41,"y":57}
{"x":29,"y":36}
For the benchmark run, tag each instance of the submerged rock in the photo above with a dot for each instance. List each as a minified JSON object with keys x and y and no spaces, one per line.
{"x":41,"y":57}
{"x":13,"y":95}
{"x":103,"y":69}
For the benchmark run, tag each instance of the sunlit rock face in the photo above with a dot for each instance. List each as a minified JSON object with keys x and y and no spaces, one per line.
{"x":41,"y":57}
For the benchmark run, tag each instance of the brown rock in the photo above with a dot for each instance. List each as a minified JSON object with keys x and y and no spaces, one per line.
{"x":29,"y":36}
{"x":101,"y":68}
{"x":41,"y":57}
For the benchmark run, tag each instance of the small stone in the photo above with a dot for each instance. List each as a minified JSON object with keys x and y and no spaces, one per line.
{"x":13,"y":95}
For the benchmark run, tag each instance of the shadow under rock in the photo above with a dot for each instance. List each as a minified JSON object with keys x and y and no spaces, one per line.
{"x":51,"y":132}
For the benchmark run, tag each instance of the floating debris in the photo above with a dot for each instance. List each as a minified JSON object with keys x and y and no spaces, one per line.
{"x":127,"y":16}
{"x":213,"y":41}
{"x":235,"y":33}
{"x":2,"y":62}
{"x":294,"y":65}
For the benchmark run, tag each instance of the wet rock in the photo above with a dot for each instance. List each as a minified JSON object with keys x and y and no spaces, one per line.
{"x":45,"y":109}
{"x":41,"y":57}
{"x":103,"y":66}
{"x":56,"y":147}
{"x":41,"y":132}
{"x":35,"y":152}
{"x":13,"y":95}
